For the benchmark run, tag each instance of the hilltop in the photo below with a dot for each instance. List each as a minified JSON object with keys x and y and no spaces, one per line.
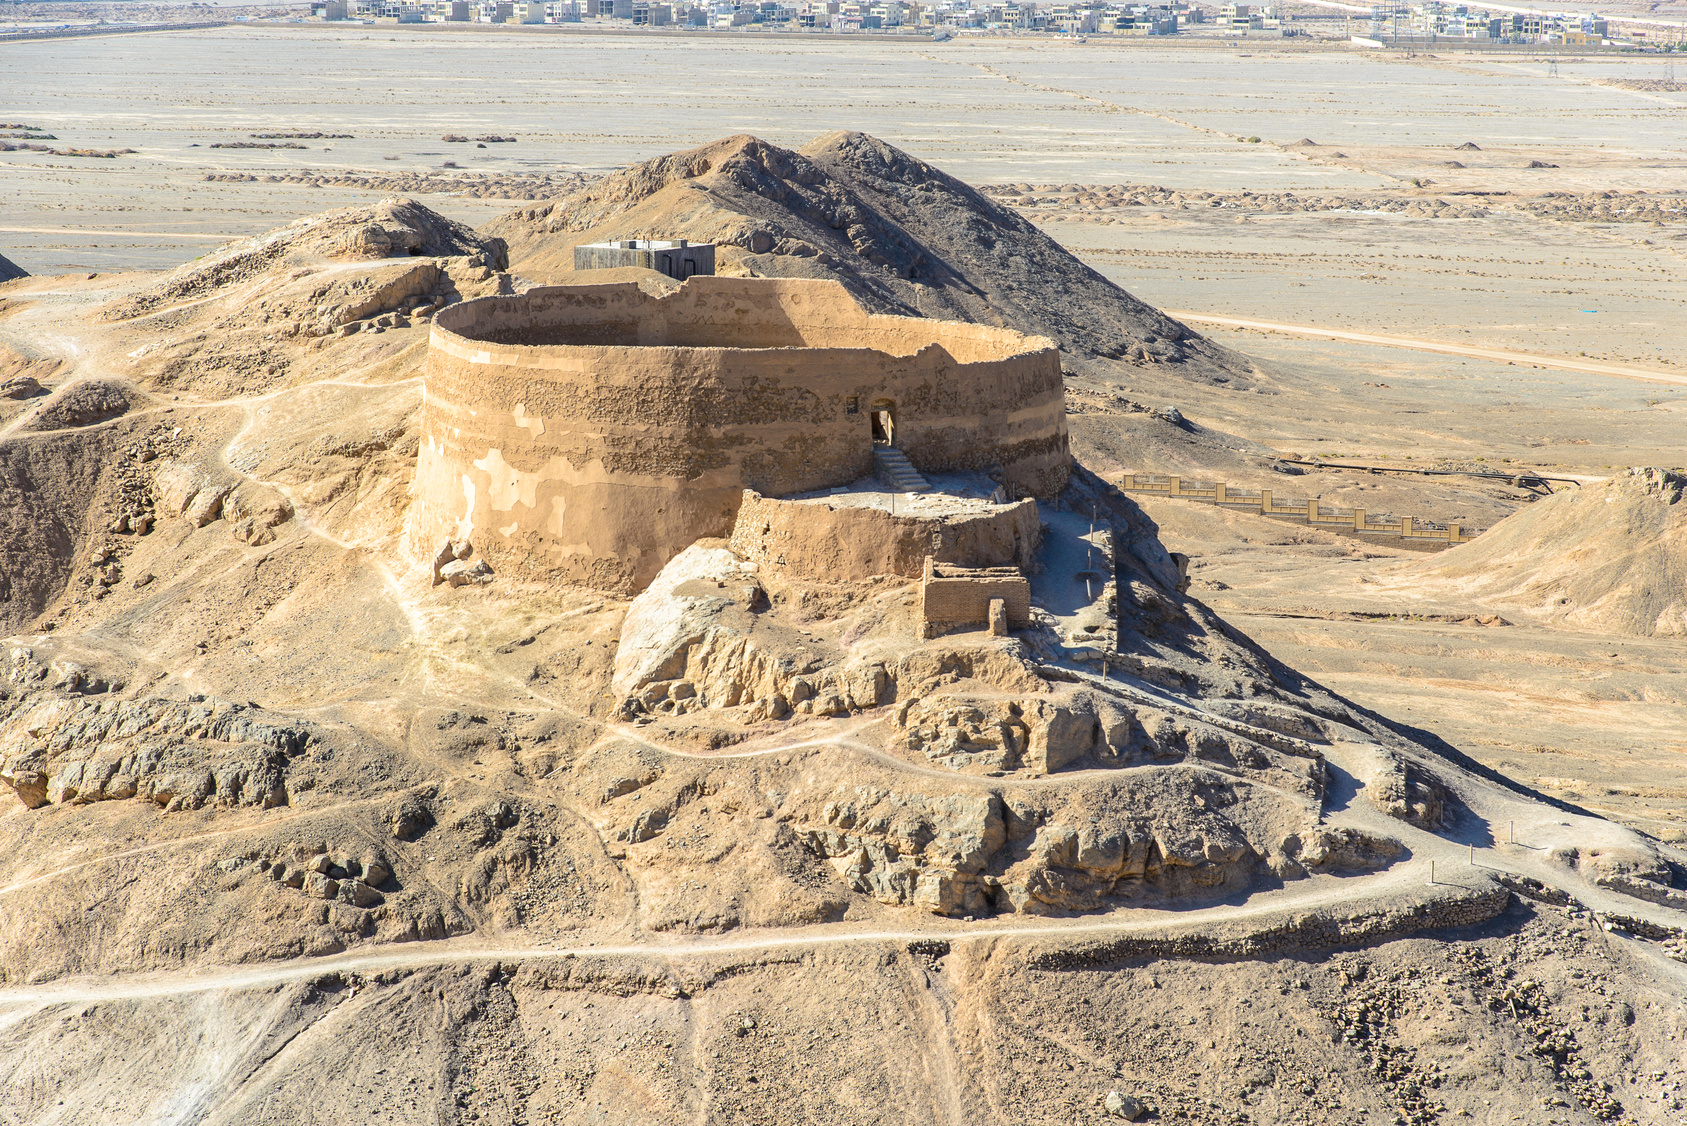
{"x":903,"y":236}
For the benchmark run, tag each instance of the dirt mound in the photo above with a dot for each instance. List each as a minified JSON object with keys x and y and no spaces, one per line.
{"x":1468,"y":146}
{"x":10,"y":270}
{"x":1609,"y":556}
{"x":904,"y":237}
{"x":82,"y":404}
{"x":393,"y":228}
{"x":47,"y":489}
{"x":1304,"y":143}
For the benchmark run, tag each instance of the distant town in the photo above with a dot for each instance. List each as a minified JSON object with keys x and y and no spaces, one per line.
{"x":1381,"y":24}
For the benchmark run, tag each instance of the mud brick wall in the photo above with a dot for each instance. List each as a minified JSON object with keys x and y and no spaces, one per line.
{"x":590,"y":433}
{"x":813,"y":539}
{"x":946,"y":600}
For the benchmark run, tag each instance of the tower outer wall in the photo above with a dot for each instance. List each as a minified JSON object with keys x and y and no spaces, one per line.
{"x":597,"y":462}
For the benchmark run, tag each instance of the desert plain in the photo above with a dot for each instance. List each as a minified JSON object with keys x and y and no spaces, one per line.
{"x":1446,"y":286}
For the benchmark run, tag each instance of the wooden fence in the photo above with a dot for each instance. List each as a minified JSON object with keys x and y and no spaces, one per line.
{"x":1350,"y":520}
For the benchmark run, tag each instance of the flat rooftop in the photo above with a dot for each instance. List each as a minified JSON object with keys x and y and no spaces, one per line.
{"x":952,"y":494}
{"x":646,"y":244}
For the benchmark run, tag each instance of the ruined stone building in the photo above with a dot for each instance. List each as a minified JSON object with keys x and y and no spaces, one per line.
{"x":590,"y":433}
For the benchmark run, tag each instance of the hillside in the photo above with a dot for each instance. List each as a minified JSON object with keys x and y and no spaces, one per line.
{"x":1611,"y":556}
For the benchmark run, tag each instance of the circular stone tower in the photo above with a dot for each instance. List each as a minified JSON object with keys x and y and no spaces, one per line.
{"x":590,"y":433}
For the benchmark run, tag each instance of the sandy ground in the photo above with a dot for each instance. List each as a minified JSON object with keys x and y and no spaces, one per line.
{"x":1098,"y":112}
{"x":1594,"y":719}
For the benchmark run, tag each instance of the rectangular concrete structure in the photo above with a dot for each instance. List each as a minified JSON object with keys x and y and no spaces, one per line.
{"x":678,"y":259}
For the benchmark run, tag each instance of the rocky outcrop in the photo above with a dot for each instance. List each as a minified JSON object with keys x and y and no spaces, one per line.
{"x":389,"y":229}
{"x":10,"y":271}
{"x":679,"y":611}
{"x":23,"y":374}
{"x":59,"y":749}
{"x":191,"y":491}
{"x":1404,"y":791}
{"x":352,"y":879}
{"x":82,"y":403}
{"x":1636,"y":871}
{"x":977,"y":853}
{"x":202,"y":494}
{"x":687,"y":643}
{"x":383,"y":290}
{"x":254,"y":511}
{"x":902,"y":848}
{"x":1328,"y":848}
{"x":1038,"y":734}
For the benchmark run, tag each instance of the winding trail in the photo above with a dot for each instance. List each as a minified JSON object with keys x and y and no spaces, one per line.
{"x":1450,"y":865}
{"x":1391,"y":884}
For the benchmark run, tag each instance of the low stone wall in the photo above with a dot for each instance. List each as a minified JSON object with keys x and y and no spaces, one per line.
{"x":591,"y":433}
{"x":951,"y":595}
{"x":816,"y":540}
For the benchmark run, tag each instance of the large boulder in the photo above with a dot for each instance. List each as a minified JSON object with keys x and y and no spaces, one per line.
{"x":682,"y":606}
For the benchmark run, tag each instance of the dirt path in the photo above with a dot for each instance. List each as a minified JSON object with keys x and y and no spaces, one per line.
{"x":1464,"y":862}
{"x":1392,"y":884}
{"x":1496,"y":354}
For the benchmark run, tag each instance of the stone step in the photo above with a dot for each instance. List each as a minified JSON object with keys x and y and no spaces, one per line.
{"x":892,"y":466}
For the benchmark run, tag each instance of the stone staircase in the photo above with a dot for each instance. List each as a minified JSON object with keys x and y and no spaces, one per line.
{"x":892,"y":466}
